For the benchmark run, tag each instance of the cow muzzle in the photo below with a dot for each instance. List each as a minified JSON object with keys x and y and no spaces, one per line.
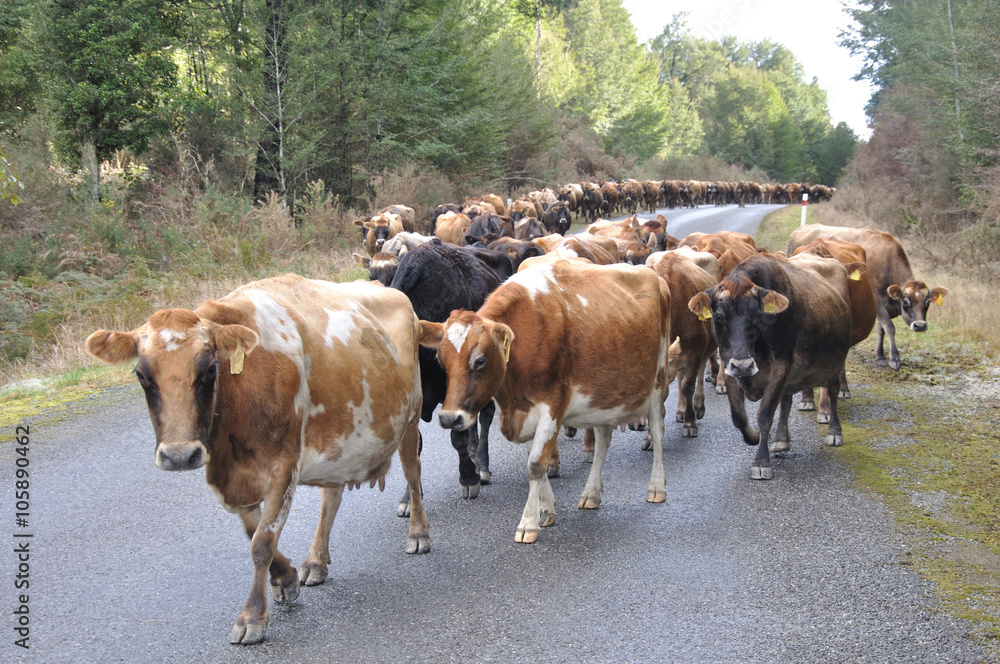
{"x":188,"y":455}
{"x":919,"y":326}
{"x":457,"y":420}
{"x":741,"y":368}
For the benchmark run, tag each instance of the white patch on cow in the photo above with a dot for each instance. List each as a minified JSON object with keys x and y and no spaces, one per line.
{"x":535,"y":280}
{"x":340,"y":325}
{"x":545,"y":427}
{"x":580,"y":413}
{"x":566,"y":251}
{"x":583,"y":300}
{"x":286,"y":504}
{"x":278,"y":331}
{"x":456,"y":335}
{"x":171,"y":337}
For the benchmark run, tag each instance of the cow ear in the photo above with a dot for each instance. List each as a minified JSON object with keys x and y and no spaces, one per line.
{"x":701,"y":306}
{"x":113,"y":347}
{"x":894,"y":291}
{"x":402,"y":251}
{"x":233,"y":343}
{"x":368,"y":225}
{"x":773,"y":302}
{"x":503,"y":336}
{"x":362,"y":261}
{"x":855,"y":270}
{"x":359,"y":223}
{"x":937,"y":295}
{"x":469,"y":239}
{"x":430,"y":334}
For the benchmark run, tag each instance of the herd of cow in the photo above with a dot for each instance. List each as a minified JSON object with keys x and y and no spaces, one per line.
{"x":290,"y":381}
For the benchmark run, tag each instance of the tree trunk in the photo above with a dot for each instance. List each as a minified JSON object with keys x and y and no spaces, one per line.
{"x":270,"y":175}
{"x":88,"y":158}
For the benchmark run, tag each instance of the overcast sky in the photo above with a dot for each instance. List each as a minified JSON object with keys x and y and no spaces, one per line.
{"x":810,"y":30}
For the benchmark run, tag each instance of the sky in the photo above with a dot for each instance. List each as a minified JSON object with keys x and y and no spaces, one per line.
{"x":809,"y":30}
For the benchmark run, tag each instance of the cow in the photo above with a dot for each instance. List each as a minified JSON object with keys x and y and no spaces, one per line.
{"x":438,"y":278}
{"x":780,"y":328}
{"x":440,"y":210}
{"x":382,"y":227}
{"x":529,"y":228}
{"x":516,"y":250}
{"x":861,"y":300}
{"x":557,"y":218}
{"x":488,"y":224}
{"x":451,"y":227}
{"x":657,"y":228}
{"x":896,"y":291}
{"x":631,"y":195}
{"x":521,"y":208}
{"x":572,"y":195}
{"x":592,"y":202}
{"x":546,"y":346}
{"x":611,"y":198}
{"x":284,"y":381}
{"x":652,"y":193}
{"x":685,"y":280}
{"x":381,"y":267}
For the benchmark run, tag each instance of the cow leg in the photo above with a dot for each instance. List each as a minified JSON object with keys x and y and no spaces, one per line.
{"x":481,"y":454}
{"x":418,"y":540}
{"x":657,"y":491}
{"x":781,"y":441}
{"x":738,"y":412}
{"x":712,"y":372}
{"x":314,"y":568}
{"x":252,"y":622}
{"x":761,"y":468}
{"x":589,"y":444}
{"x":539,"y":510}
{"x":834,"y":434}
{"x":808,"y":400}
{"x":403,"y":509}
{"x":720,"y":380}
{"x":845,"y":389}
{"x":886,"y":327}
{"x":468,"y":476}
{"x":823,"y":415}
{"x":591,"y":497}
{"x":688,"y":381}
{"x":699,"y":392}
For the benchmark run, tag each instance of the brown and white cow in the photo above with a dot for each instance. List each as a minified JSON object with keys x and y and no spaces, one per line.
{"x":284,"y":381}
{"x":547,"y":346}
{"x":780,"y":328}
{"x":896,"y":291}
{"x":861,"y":300}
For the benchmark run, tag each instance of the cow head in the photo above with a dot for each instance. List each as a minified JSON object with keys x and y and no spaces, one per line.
{"x":178,"y":355}
{"x":740,"y":311}
{"x":914,"y":299}
{"x":379,"y":229}
{"x":474,"y":352}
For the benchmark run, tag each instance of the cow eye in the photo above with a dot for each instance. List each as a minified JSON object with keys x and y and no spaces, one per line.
{"x":906,"y":302}
{"x":210,"y":372}
{"x":144,"y":380}
{"x":479,"y":362}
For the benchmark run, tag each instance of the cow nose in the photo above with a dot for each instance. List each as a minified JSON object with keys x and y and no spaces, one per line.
{"x":741,"y":368}
{"x":452,"y":420}
{"x":181,"y":458}
{"x":919,"y":326}
{"x":379,"y":242}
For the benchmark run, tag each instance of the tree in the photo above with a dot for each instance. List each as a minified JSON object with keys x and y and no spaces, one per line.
{"x":109,"y":73}
{"x":837,"y":149}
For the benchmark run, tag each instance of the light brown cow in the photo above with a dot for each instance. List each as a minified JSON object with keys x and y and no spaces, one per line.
{"x":284,"y":381}
{"x":451,"y":227}
{"x":546,"y":345}
{"x":896,"y":291}
{"x":861,"y":300}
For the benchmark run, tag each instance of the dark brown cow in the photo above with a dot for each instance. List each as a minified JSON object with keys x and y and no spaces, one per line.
{"x":780,"y":328}
{"x":546,"y":346}
{"x":283,"y":382}
{"x":631,"y":195}
{"x":896,"y":291}
{"x":593,"y":200}
{"x":652,"y":194}
{"x":861,"y":300}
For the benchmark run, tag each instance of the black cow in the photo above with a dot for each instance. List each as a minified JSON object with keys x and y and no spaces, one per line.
{"x":439,"y":278}
{"x":488,"y":224}
{"x":557,"y":218}
{"x":780,"y":328}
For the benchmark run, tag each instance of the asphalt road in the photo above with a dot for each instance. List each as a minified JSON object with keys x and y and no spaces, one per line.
{"x":133,"y":564}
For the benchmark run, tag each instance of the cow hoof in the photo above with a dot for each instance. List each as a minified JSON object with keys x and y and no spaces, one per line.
{"x":248,"y":631}
{"x":881,"y":362}
{"x":680,"y":416}
{"x":895,"y":364}
{"x":699,"y":412}
{"x":553,"y":470}
{"x":761,"y":473}
{"x":647,"y":442}
{"x":589,"y":502}
{"x":844,"y":394}
{"x":418,"y":544}
{"x":690,"y":431}
{"x":657,"y":495}
{"x":312,"y":574}
{"x":833,"y":440}
{"x":720,"y":388}
{"x":485,"y":476}
{"x":547,"y":519}
{"x":588,"y":457}
{"x":470,"y":491}
{"x":779,"y":446}
{"x":570,"y":432}
{"x":287,"y":590}
{"x":526,"y":535}
{"x":807,"y":405}
{"x":822,"y":418}
{"x":403,"y":509}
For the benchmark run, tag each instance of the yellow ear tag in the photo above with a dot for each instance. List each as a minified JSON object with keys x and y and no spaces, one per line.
{"x":507,"y":349}
{"x":236,"y":359}
{"x":705,"y":314}
{"x":939,"y":300}
{"x":856,"y":275}
{"x":769,"y":308}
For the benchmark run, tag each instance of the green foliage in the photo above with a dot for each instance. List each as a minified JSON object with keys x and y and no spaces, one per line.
{"x":9,"y":183}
